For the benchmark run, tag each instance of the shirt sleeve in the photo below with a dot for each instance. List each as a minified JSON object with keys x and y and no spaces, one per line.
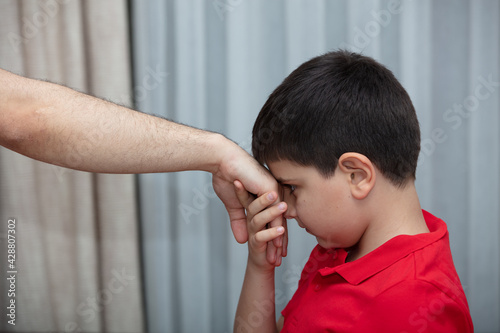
{"x":415,"y":306}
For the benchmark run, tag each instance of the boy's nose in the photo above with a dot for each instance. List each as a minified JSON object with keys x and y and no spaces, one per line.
{"x":291,"y":212}
{"x":289,"y":215}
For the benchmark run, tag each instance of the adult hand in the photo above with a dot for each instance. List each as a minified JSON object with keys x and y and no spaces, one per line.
{"x":239,"y":165}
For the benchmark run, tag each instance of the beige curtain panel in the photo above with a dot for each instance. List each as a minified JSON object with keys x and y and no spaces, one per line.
{"x":77,"y":253}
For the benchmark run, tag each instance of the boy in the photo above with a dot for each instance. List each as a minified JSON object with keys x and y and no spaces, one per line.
{"x":341,"y":136}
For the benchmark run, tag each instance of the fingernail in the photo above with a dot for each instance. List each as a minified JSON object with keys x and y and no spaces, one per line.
{"x":280,"y":230}
{"x":281,"y":206}
{"x":270,"y":196}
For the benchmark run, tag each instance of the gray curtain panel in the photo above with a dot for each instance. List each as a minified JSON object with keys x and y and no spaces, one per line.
{"x":212,"y":64}
{"x":77,"y":250}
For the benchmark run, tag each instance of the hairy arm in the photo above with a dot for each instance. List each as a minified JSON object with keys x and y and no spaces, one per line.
{"x":61,"y":126}
{"x":58,"y":125}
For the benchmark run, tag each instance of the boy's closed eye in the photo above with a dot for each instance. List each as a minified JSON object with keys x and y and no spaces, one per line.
{"x":289,"y":187}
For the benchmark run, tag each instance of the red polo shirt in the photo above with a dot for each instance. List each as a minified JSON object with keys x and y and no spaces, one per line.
{"x":408,"y":284}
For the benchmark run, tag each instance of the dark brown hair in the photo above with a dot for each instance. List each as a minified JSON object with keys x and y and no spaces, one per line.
{"x":336,"y":103}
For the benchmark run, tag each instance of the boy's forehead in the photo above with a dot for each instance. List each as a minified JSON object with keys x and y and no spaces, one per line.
{"x":285,"y":171}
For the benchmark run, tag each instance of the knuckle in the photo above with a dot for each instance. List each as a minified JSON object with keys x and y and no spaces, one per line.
{"x":252,"y":226}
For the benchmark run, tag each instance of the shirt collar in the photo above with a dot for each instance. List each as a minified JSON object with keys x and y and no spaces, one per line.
{"x":388,"y":253}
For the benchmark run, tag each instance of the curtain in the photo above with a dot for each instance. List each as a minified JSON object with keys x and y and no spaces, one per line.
{"x":212,"y":64}
{"x":77,"y":250}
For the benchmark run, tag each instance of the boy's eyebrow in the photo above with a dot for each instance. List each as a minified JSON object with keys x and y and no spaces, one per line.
{"x":283,"y":180}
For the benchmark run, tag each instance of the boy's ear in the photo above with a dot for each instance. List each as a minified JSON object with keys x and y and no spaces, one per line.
{"x":359,"y":172}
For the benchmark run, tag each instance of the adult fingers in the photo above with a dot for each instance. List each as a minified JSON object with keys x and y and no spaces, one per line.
{"x":244,"y":197}
{"x":238,"y":221}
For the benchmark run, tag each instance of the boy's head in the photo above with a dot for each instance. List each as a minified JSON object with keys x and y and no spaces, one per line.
{"x":337,"y":103}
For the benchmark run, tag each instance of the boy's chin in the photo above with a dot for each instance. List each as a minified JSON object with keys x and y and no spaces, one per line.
{"x":325,"y":244}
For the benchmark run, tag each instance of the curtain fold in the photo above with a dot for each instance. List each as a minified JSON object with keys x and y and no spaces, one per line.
{"x":77,"y":251}
{"x":223,"y":59}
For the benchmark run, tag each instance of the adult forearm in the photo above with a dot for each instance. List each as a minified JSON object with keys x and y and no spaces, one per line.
{"x":256,"y":306}
{"x":58,"y":125}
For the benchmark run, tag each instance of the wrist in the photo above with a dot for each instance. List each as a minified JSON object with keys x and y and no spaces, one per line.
{"x":225,"y":158}
{"x":209,"y":150}
{"x":261,"y":268}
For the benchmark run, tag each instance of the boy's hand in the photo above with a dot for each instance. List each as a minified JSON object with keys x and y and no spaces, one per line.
{"x":260,"y":233}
